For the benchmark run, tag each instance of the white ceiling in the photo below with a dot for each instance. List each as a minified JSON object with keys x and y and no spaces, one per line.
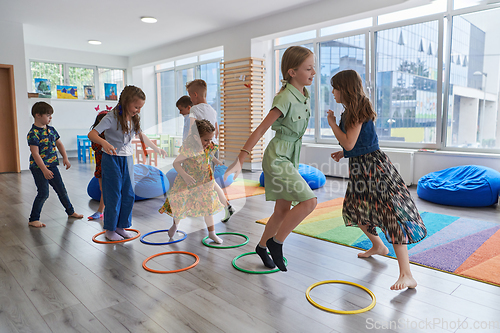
{"x":69,"y":24}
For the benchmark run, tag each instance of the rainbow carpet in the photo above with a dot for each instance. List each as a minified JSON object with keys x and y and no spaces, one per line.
{"x":461,"y":246}
{"x":242,"y":188}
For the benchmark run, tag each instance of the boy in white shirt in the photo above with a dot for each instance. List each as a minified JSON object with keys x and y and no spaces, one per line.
{"x":197,"y":90}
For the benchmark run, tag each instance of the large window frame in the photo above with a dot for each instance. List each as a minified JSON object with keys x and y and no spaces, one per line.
{"x":180,"y":89}
{"x":444,"y":49}
{"x":66,"y":78}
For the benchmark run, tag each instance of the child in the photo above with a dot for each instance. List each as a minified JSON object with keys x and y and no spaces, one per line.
{"x":197,"y":90}
{"x":289,"y":117}
{"x":376,"y":195}
{"x":119,"y":126}
{"x":97,"y":148}
{"x":184,"y":105}
{"x":43,"y":140}
{"x":192,"y":193}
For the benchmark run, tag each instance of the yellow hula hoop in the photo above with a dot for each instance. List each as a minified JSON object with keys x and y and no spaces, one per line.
{"x":369,"y":307}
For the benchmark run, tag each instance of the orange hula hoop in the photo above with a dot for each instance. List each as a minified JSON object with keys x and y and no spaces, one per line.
{"x":172,"y":271}
{"x":118,"y":241}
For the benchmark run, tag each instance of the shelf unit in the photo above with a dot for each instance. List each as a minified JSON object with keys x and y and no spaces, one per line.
{"x":242,"y":106}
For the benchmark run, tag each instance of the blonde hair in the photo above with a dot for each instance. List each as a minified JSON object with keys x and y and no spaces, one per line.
{"x":358,"y":107}
{"x":293,"y":57}
{"x":199,"y":86}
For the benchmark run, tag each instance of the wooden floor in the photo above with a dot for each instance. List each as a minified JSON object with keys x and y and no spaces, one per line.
{"x":56,"y":279}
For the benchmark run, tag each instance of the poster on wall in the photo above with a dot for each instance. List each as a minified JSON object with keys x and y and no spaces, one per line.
{"x":110,"y":91}
{"x":67,"y":92}
{"x":88,"y":92}
{"x":42,"y":87}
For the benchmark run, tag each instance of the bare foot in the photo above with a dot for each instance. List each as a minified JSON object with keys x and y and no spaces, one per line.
{"x":36,"y":224}
{"x":404,"y":282}
{"x":382,"y":250}
{"x":76,"y":216}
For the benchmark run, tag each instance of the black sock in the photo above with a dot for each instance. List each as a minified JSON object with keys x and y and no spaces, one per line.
{"x":276,"y":251}
{"x":266,"y":259}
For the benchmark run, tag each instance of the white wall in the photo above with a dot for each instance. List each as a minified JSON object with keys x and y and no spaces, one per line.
{"x":12,"y":53}
{"x":71,"y":117}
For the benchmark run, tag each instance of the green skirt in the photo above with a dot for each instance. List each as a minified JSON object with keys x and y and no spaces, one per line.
{"x":282,"y":178}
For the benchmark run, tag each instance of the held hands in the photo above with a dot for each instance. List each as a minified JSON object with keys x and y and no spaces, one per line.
{"x":337,"y":155}
{"x":233,"y":168}
{"x":66,"y":163}
{"x":108,"y":148}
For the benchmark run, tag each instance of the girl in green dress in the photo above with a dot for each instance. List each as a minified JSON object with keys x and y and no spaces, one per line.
{"x":192,"y":193}
{"x":289,"y":117}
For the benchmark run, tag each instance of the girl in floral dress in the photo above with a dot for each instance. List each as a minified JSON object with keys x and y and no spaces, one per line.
{"x":192,"y":193}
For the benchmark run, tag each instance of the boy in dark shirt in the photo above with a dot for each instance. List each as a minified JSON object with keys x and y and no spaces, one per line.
{"x":43,"y":140}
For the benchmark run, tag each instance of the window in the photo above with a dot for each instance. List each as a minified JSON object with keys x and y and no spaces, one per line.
{"x":335,"y":56}
{"x":76,"y":75}
{"x":473,"y":118}
{"x":81,"y":76}
{"x":423,"y":99}
{"x":110,"y":75}
{"x":406,"y":83}
{"x":45,"y":70}
{"x":171,"y":85}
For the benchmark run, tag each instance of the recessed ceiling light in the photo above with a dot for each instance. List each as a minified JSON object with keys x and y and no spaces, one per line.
{"x":148,"y":19}
{"x":95,"y":42}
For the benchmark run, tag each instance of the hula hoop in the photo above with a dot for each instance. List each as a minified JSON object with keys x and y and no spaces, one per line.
{"x":369,"y":307}
{"x":254,"y":272}
{"x":226,"y":247}
{"x":175,"y":270}
{"x":118,"y":241}
{"x":164,"y":243}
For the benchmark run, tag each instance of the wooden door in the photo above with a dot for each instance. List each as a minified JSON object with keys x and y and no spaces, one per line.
{"x":9,"y":148}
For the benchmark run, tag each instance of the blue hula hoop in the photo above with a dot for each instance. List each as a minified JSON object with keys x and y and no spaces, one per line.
{"x":165,"y":243}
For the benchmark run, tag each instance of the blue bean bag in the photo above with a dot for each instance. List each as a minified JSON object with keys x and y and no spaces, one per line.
{"x":466,"y":186}
{"x":218,"y":175}
{"x":149,"y":182}
{"x":311,"y":175}
{"x":171,"y":174}
{"x":219,"y":171}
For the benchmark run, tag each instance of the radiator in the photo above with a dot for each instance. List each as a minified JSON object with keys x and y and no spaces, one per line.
{"x":318,"y":156}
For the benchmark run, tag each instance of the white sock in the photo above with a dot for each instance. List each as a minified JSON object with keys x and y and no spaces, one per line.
{"x":172,"y":231}
{"x":124,"y":233}
{"x":214,"y":237}
{"x":112,"y":236}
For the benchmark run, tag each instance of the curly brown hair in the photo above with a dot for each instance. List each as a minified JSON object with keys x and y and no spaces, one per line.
{"x":358,"y":107}
{"x":128,"y":95}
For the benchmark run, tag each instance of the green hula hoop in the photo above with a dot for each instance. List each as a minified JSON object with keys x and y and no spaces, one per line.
{"x":254,"y":272}
{"x":226,"y":247}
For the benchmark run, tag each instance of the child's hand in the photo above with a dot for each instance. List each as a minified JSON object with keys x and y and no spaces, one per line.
{"x":162,"y":152}
{"x":189,"y":179}
{"x":66,"y":163}
{"x":48,"y":174}
{"x":337,"y":155}
{"x":331,"y":117}
{"x":233,"y":168}
{"x":108,"y":148}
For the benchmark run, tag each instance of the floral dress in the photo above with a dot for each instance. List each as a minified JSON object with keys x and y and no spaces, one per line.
{"x":199,"y":199}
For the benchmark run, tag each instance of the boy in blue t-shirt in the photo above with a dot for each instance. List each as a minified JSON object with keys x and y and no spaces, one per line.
{"x":43,"y":140}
